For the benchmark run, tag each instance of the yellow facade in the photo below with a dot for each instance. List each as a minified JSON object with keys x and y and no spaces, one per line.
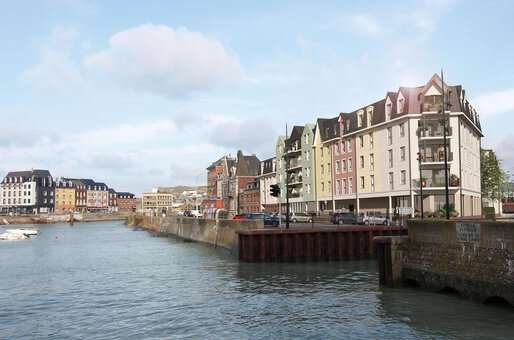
{"x":323,"y":166}
{"x":64,"y":199}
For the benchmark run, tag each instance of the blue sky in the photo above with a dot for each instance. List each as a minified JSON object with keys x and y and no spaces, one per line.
{"x":149,"y":93}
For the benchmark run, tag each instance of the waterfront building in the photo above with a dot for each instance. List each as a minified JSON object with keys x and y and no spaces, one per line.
{"x":97,"y":196}
{"x":267,"y":178}
{"x":215,"y":173}
{"x":127,"y":202}
{"x":326,"y":135}
{"x":30,"y":191}
{"x":246,"y":170}
{"x":296,"y":159}
{"x":385,"y":139}
{"x":113,"y":201}
{"x":65,"y":195}
{"x":249,"y":199}
{"x":157,"y":202}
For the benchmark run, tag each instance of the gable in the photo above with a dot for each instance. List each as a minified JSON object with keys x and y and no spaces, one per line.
{"x":432,"y":91}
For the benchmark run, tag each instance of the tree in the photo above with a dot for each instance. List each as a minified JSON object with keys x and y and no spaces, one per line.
{"x":492,"y":175}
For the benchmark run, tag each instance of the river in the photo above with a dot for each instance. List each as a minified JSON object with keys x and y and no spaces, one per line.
{"x":105,"y":281}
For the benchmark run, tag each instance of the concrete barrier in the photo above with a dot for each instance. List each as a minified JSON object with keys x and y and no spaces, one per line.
{"x":219,"y":233}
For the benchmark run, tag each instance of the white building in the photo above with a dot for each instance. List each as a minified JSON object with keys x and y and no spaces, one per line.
{"x":267,"y":178}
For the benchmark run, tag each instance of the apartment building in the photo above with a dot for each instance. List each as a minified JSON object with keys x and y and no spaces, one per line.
{"x":113,"y":201}
{"x":376,"y":155}
{"x":156,"y":202}
{"x":296,"y":159}
{"x":30,"y":191}
{"x":126,"y":202}
{"x":267,"y":178}
{"x":97,"y":196}
{"x":325,"y":137}
{"x":65,"y":193}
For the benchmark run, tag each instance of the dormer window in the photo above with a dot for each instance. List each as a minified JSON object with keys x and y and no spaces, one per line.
{"x":370,"y":116}
{"x":401,"y":103}
{"x":388,"y":108}
{"x":360,"y":118}
{"x":347,"y":125}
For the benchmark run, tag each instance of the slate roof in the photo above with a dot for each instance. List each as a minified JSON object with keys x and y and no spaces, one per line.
{"x":267,"y":166}
{"x":247,"y":165}
{"x":328,"y":128}
{"x":27,"y":174}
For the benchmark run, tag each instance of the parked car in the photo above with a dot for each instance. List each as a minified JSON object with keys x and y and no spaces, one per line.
{"x":239,"y":217}
{"x":373,"y":218}
{"x":344,"y":218}
{"x":268,"y":219}
{"x":297,"y":217}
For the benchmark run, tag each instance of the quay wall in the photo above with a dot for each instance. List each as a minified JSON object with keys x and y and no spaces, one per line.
{"x":219,"y":233}
{"x":474,"y":259}
{"x":51,"y":218}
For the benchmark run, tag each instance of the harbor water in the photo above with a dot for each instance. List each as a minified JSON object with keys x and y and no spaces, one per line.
{"x":106,"y":281}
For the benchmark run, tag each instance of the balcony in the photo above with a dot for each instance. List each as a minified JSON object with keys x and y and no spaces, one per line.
{"x":434,"y":155}
{"x":294,"y":164}
{"x":432,"y":107}
{"x":434,"y":179}
{"x":431,"y":131}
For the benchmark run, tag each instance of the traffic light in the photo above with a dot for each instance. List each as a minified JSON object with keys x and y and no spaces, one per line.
{"x":274,"y":190}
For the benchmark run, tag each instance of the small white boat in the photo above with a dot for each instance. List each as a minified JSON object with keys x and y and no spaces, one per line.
{"x":13,"y":236}
{"x":23,"y":231}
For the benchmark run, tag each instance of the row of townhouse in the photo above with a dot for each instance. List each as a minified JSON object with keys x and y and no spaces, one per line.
{"x":36,"y":191}
{"x":380,"y":156}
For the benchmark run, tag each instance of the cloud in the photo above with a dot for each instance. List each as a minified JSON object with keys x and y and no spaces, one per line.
{"x":493,"y":103}
{"x":55,"y":70}
{"x":164,"y":61}
{"x":251,"y":135}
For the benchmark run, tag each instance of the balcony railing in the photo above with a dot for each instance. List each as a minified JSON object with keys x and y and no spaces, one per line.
{"x":432,"y":107}
{"x":435,"y":157}
{"x":433,"y":131}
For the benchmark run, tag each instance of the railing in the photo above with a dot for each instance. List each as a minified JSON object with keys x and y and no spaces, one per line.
{"x":431,"y":107}
{"x":436,"y":157}
{"x":433,"y":131}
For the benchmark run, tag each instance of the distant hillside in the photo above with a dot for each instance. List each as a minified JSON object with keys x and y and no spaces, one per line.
{"x":177,"y":190}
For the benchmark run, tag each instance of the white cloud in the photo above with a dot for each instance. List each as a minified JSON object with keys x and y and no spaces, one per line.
{"x":55,"y":70}
{"x":493,"y":103}
{"x":161,"y":60}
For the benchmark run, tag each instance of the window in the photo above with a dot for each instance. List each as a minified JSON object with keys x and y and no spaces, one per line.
{"x":343,"y":146}
{"x":338,"y":167}
{"x":338,"y":148}
{"x":344,"y":165}
{"x":329,"y":166}
{"x":389,"y":136}
{"x":402,"y":130}
{"x":362,"y":162}
{"x":390,"y":156}
{"x":347,"y":125}
{"x":345,"y":187}
{"x":349,"y":147}
{"x":372,"y":183}
{"x":338,"y":187}
{"x":402,"y":153}
{"x":360,"y":118}
{"x":370,"y":116}
{"x":363,"y":184}
{"x":350,"y":185}
{"x":371,"y":162}
{"x":371,"y":140}
{"x":322,"y":169}
{"x":391,"y":181}
{"x":403,"y":177}
{"x":349,"y":164}
{"x":321,"y":151}
{"x":401,"y":103}
{"x":322,"y":186}
{"x":361,"y":141}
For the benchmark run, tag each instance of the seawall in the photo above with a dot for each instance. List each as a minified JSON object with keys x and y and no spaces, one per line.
{"x":218,"y":233}
{"x":50,"y":219}
{"x":474,"y":259}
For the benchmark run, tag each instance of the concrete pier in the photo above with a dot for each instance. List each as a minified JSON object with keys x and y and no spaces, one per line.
{"x":474,"y":259}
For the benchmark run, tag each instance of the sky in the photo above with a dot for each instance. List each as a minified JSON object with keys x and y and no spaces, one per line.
{"x":149,"y":93}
